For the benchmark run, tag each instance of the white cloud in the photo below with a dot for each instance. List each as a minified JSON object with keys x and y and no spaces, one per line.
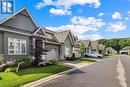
{"x":59,"y":11}
{"x":67,"y":4}
{"x":76,"y":29}
{"x":128,"y":13}
{"x":118,"y":26}
{"x":100,"y":14}
{"x":116,"y":15}
{"x":91,"y":22}
{"x":90,"y":37}
{"x":126,"y":18}
{"x":80,"y":25}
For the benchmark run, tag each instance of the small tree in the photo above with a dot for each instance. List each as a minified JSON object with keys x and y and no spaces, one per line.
{"x":38,"y":51}
{"x":82,"y":49}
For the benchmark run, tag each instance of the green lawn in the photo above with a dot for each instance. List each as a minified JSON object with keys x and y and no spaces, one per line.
{"x":27,"y":75}
{"x":87,"y":61}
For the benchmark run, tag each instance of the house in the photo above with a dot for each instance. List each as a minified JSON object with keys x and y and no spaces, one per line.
{"x":19,"y":35}
{"x":93,"y":46}
{"x":52,"y":44}
{"x":110,"y":50}
{"x":66,"y":40}
{"x":76,"y":48}
{"x":87,"y":45}
{"x":125,"y":50}
{"x":17,"y":32}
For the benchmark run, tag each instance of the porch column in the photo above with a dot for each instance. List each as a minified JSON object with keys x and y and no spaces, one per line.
{"x":43,"y":56}
{"x":33,"y":44}
{"x":73,"y":49}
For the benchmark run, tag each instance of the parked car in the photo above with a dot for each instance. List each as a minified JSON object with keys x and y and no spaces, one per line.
{"x":95,"y":55}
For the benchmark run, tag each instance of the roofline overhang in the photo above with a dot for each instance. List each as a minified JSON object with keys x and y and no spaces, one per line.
{"x":1,"y":29}
{"x":52,"y":42}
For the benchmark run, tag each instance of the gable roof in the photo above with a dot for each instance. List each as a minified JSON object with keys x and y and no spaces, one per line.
{"x":39,"y":32}
{"x":125,"y":48}
{"x":52,"y":33}
{"x":94,"y":44}
{"x":86,"y":43}
{"x":61,"y":36}
{"x":24,"y":10}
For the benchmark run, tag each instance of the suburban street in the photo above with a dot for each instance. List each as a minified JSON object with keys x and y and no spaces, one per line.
{"x":110,"y":72}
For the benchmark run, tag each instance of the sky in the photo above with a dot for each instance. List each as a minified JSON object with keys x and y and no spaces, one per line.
{"x":88,"y":19}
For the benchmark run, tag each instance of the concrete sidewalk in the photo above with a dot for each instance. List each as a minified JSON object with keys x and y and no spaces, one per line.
{"x":73,"y":64}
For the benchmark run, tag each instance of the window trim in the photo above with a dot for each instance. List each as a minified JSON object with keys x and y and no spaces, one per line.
{"x":15,"y":42}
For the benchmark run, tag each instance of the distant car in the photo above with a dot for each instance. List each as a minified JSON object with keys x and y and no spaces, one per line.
{"x":95,"y":55}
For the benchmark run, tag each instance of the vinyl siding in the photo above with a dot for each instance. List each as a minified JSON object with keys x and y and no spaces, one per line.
{"x":1,"y":42}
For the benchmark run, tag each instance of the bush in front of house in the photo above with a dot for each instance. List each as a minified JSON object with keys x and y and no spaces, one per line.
{"x":19,"y":59}
{"x":72,"y":58}
{"x":4,"y":66}
{"x":10,"y":69}
{"x":25,"y":62}
{"x":53,"y":62}
{"x":48,"y":63}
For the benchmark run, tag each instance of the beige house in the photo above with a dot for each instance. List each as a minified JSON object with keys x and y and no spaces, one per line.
{"x":125,"y":50}
{"x":67,"y":41}
{"x":93,"y":46}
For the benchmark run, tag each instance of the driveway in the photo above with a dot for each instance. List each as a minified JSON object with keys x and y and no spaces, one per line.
{"x":110,"y":72}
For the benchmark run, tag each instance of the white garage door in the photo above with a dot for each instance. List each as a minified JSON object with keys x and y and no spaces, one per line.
{"x":51,"y":55}
{"x":77,"y":54}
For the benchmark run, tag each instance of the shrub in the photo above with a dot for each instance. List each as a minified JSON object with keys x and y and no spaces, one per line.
{"x":0,"y":78}
{"x":71,"y":58}
{"x":3,"y":67}
{"x":25,"y":65}
{"x":53,"y":62}
{"x":10,"y":69}
{"x":24,"y":60}
{"x":0,"y":62}
{"x":19,"y":59}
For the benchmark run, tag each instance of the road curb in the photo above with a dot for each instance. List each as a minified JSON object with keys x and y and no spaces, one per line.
{"x":38,"y":82}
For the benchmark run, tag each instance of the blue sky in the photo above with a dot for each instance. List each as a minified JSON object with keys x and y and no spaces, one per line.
{"x":88,"y":19}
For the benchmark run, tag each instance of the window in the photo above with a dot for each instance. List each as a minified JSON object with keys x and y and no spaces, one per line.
{"x":16,"y":46}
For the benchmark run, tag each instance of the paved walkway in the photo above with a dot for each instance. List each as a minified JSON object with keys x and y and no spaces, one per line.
{"x":74,"y":64}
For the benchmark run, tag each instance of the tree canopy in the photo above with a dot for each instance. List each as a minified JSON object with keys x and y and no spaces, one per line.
{"x":116,"y":43}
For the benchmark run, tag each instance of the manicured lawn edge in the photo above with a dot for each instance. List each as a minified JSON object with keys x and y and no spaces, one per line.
{"x":86,"y":61}
{"x":29,"y":75}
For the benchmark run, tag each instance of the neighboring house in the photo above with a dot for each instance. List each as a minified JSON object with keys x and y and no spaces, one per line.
{"x":125,"y":50}
{"x":67,"y":41}
{"x":110,"y":50}
{"x":76,"y":48}
{"x":93,"y":46}
{"x":101,"y":48}
{"x":52,"y":44}
{"x":87,"y":45}
{"x":16,"y":34}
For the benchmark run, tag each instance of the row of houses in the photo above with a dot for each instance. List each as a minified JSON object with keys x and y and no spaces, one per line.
{"x":20,"y":30}
{"x":93,"y":46}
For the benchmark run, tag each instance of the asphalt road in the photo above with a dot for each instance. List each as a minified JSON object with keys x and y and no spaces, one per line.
{"x":110,"y":72}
